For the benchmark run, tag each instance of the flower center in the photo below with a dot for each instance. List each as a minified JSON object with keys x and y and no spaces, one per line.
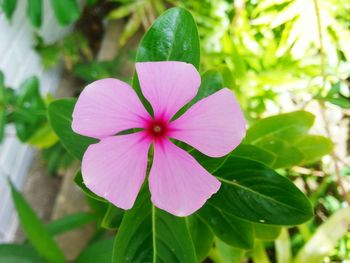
{"x":157,"y":128}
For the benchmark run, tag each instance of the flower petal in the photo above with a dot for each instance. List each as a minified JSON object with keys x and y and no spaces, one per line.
{"x":179,"y":185}
{"x":215,"y":125}
{"x":106,"y":107}
{"x":115,"y":168}
{"x":168,"y":85}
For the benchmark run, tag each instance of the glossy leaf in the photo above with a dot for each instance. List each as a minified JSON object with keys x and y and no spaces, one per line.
{"x":173,"y":36}
{"x":325,"y":238}
{"x":78,"y":179}
{"x":14,"y":253}
{"x":202,"y":237}
{"x":113,"y":217}
{"x":255,"y":153}
{"x":314,"y":147}
{"x":70,"y":222}
{"x":34,"y":11}
{"x":9,"y":7}
{"x":148,"y":234}
{"x":66,"y":11}
{"x":288,"y":126}
{"x":266,"y":232}
{"x":286,"y":155}
{"x":210,"y":164}
{"x":60,"y":118}
{"x":100,"y":251}
{"x":35,"y":230}
{"x":254,"y":192}
{"x":230,"y":229}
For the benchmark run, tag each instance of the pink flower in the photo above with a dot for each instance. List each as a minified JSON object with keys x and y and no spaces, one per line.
{"x":115,"y":167}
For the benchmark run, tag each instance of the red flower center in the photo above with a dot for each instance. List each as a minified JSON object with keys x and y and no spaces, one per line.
{"x":157,"y":129}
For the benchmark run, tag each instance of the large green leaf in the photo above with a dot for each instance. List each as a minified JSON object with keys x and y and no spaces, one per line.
{"x":286,"y":155}
{"x":98,"y":252}
{"x":255,"y":153}
{"x":35,"y":230}
{"x":60,"y":117}
{"x":34,"y":11}
{"x":325,"y":238}
{"x":9,"y":7}
{"x":13,"y":253}
{"x":173,"y":36}
{"x":66,"y":11}
{"x":230,"y":229}
{"x":314,"y":147}
{"x":202,"y":236}
{"x":288,"y":126}
{"x":252,"y":191}
{"x":148,"y":234}
{"x":267,"y":232}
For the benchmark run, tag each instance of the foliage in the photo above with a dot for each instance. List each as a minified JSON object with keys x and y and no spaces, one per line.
{"x":66,"y":11}
{"x":269,"y":53}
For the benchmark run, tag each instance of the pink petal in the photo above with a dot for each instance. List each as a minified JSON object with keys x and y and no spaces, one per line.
{"x":215,"y":125}
{"x":168,"y":85}
{"x":106,"y":107}
{"x":115,"y":168}
{"x":179,"y":185}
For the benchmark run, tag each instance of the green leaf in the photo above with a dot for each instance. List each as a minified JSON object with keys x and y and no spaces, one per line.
{"x":113,"y":217}
{"x":9,"y":7}
{"x":286,"y":155}
{"x":35,"y":230}
{"x":283,"y":247}
{"x":230,"y":229}
{"x":44,"y":137}
{"x":148,"y":234}
{"x":267,"y":232}
{"x":70,"y":222}
{"x":259,"y":253}
{"x":13,"y":253}
{"x":223,"y":253}
{"x":173,"y":36}
{"x":201,"y":235}
{"x":98,"y":252}
{"x":254,"y":192}
{"x":66,"y":11}
{"x":209,"y":163}
{"x":30,"y":109}
{"x":78,"y":179}
{"x":255,"y":153}
{"x":314,"y":147}
{"x":60,"y":117}
{"x":325,"y":238}
{"x":288,"y":126}
{"x":91,"y":2}
{"x":34,"y":11}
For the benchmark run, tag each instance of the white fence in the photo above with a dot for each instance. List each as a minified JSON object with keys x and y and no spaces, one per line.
{"x":19,"y":61}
